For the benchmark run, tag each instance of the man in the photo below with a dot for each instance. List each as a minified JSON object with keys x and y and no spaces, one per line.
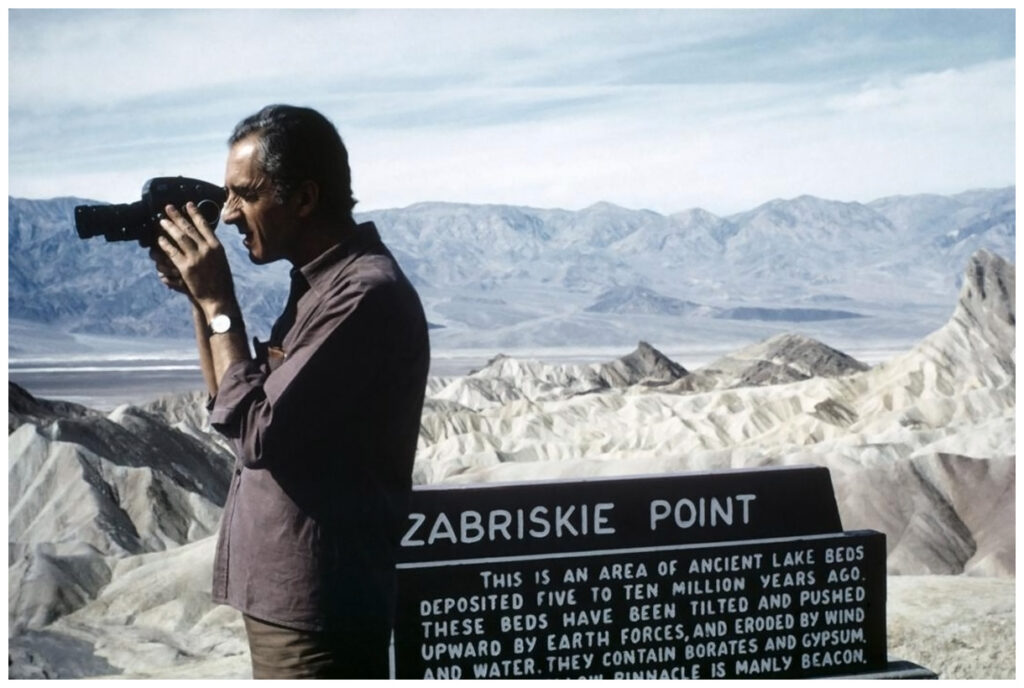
{"x":324,"y":418}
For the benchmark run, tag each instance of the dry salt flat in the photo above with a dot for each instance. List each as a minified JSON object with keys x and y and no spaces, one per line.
{"x":111,"y":543}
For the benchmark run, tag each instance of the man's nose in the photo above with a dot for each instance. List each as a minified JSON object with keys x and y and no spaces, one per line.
{"x":229,"y":213}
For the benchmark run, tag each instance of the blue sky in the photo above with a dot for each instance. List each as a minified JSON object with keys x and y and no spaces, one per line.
{"x":659,"y":109}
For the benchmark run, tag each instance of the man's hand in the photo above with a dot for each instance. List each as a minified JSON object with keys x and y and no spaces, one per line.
{"x":194,"y":261}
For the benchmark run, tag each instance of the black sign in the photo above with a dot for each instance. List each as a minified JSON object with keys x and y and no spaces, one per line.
{"x":722,"y":575}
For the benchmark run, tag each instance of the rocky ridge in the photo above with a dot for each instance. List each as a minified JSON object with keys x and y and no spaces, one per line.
{"x":908,"y":429}
{"x":779,"y":359}
{"x":85,"y":490}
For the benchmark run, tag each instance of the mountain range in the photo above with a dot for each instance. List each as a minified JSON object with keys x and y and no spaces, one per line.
{"x":497,"y":277}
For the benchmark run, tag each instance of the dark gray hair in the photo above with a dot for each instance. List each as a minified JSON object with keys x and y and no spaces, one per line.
{"x":297,"y":144}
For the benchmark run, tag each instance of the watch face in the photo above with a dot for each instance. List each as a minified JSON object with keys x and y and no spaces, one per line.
{"x":220,"y":324}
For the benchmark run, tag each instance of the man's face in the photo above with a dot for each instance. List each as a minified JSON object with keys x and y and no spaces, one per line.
{"x":266,"y":225}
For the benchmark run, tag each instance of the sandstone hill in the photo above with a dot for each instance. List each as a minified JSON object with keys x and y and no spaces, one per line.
{"x":920,"y":447}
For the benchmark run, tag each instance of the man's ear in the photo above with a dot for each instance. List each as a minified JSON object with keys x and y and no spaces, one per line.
{"x":306,"y":198}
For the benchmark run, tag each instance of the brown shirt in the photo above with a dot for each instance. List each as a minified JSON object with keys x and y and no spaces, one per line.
{"x":324,"y":426}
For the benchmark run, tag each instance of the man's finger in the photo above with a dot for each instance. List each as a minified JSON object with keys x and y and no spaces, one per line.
{"x":200,"y":223}
{"x":169,"y":248}
{"x":175,"y":237}
{"x":164,"y":266}
{"x":179,"y":227}
{"x":159,"y":256}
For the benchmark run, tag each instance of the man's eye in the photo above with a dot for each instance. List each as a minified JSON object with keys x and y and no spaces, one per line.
{"x":247,"y":195}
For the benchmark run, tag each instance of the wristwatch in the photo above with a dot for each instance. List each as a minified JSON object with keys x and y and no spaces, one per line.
{"x":219,"y":324}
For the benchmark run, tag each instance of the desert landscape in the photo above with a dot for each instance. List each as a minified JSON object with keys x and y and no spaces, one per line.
{"x":649,"y":242}
{"x":112,"y":516}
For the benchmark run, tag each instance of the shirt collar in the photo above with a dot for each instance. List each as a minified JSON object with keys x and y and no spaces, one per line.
{"x":320,"y":271}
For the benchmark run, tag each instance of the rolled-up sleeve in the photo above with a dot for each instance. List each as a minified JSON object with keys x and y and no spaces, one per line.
{"x":242,"y":384}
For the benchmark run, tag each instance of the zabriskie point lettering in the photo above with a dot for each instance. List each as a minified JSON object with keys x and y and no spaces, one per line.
{"x":470,"y":526}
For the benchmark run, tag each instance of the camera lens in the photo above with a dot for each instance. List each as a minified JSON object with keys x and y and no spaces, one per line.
{"x":210,"y":212}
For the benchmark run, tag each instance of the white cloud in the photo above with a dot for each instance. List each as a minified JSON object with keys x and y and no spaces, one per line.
{"x":89,"y":59}
{"x":986,"y":89}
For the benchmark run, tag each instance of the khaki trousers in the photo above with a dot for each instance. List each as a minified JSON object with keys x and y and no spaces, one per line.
{"x":288,"y":653}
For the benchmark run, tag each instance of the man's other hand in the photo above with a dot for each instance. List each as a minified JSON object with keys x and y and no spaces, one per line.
{"x":168,"y":274}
